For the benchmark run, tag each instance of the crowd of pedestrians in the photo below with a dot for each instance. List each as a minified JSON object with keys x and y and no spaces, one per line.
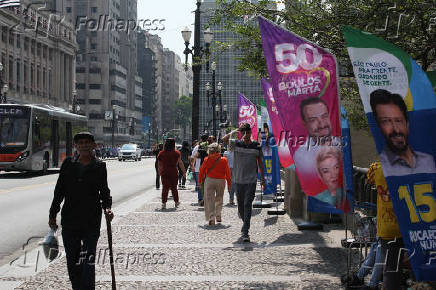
{"x":83,"y":189}
{"x":211,"y":167}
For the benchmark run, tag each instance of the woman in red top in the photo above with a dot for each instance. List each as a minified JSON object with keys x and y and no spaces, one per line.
{"x":216,"y":171}
{"x":167,"y":163}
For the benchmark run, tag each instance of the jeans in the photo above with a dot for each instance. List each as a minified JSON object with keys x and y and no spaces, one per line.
{"x":233,"y":189}
{"x":245,"y":194}
{"x":80,"y":247}
{"x":198,"y":187}
{"x":376,"y":261}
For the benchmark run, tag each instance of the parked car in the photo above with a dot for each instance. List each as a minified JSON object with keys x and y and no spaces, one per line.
{"x":129,"y":151}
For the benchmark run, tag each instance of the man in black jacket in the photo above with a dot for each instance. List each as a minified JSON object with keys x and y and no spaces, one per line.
{"x":82,"y":185}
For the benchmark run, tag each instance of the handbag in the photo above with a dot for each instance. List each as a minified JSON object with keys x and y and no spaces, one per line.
{"x":205,"y":175}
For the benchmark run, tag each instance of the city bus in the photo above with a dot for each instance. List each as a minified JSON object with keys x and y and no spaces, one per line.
{"x":36,"y":137}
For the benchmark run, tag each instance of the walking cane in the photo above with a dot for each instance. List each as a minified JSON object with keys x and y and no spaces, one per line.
{"x":111,"y":253}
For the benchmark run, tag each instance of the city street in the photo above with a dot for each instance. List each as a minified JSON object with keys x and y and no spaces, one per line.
{"x":25,"y":199}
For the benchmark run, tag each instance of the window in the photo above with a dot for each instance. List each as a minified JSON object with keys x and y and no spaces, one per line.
{"x":93,"y":9}
{"x":95,"y":70}
{"x":80,"y":70}
{"x":93,"y":45}
{"x":80,"y":86}
{"x":94,"y":86}
{"x":94,"y":58}
{"x":68,"y":9}
{"x":94,"y":101}
{"x":96,"y":116}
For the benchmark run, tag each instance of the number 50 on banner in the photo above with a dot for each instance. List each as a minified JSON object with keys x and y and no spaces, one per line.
{"x":422,"y":198}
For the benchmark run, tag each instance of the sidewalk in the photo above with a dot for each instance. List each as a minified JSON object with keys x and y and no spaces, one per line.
{"x":175,"y":249}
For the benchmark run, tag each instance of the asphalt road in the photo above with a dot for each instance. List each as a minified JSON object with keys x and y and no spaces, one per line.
{"x":25,"y":199}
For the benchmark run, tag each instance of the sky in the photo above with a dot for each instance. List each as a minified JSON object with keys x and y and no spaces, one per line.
{"x":176,"y":13}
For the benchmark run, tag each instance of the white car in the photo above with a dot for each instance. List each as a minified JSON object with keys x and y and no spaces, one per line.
{"x":129,"y":151}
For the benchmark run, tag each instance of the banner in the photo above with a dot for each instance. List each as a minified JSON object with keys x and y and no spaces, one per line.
{"x":347,"y":159}
{"x":277,"y":129}
{"x":304,"y":83}
{"x":401,"y":110}
{"x":270,"y":154}
{"x":247,"y":114}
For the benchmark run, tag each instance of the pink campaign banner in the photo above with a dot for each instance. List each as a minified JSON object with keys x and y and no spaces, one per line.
{"x":305,"y":89}
{"x":247,"y":114}
{"x":277,"y":128}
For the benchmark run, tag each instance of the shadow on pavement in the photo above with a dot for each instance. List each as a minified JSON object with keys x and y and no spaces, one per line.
{"x":270,"y":221}
{"x":22,"y":175}
{"x":214,"y":227}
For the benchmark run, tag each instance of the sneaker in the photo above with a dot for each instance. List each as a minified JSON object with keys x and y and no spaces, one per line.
{"x":218,"y":220}
{"x":177,"y":204}
{"x":246,"y":238}
{"x":164,"y":206}
{"x":201,"y":203}
{"x":231,"y":202}
{"x":211,"y":222}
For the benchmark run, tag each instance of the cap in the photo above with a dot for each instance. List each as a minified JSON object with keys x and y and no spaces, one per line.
{"x":83,"y":135}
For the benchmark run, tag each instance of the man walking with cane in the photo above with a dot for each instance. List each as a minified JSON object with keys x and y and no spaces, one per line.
{"x":82,"y":186}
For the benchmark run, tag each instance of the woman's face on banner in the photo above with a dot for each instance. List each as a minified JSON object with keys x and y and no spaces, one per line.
{"x":329,"y":170}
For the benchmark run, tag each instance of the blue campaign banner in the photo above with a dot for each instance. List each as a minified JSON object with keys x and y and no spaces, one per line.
{"x":271,"y":164}
{"x":400,"y":105}
{"x":316,"y":205}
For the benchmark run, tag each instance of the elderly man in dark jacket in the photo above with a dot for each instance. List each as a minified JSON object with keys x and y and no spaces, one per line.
{"x":82,"y":186}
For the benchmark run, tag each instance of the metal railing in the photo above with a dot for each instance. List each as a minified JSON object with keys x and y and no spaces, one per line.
{"x":365,"y":195}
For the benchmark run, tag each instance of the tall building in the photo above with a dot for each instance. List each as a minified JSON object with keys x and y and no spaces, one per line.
{"x":147,"y":71}
{"x":106,"y":77}
{"x":37,"y":56}
{"x":170,"y":89}
{"x":233,"y":80}
{"x":153,"y":44}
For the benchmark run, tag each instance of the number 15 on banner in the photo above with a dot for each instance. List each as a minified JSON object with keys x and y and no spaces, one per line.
{"x":423,"y":206}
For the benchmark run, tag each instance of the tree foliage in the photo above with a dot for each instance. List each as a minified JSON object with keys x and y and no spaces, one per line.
{"x":183,"y":111}
{"x":408,"y":24}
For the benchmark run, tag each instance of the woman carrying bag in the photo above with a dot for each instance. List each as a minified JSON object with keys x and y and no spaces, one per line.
{"x":213,"y":175}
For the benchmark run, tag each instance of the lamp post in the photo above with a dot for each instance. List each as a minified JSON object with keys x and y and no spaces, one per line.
{"x":197,"y":53}
{"x":132,"y":125}
{"x":149,"y":135}
{"x":217,"y":109}
{"x":114,"y":118}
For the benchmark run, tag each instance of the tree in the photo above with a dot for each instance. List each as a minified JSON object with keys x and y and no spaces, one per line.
{"x":409,"y":24}
{"x":183,"y":112}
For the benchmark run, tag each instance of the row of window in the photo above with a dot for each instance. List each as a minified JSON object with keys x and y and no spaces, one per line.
{"x":92,"y":70}
{"x":82,"y":86}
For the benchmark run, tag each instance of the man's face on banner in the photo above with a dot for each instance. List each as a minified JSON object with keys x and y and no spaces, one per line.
{"x":394,"y":126}
{"x":317,"y":120}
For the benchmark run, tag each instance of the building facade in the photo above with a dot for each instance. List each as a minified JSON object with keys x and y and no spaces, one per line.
{"x":106,"y":75}
{"x":38,"y":57}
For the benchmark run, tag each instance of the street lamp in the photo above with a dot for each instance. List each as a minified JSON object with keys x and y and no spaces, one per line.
{"x":114,"y":119}
{"x":132,"y":124}
{"x":197,"y":53}
{"x":216,"y":109}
